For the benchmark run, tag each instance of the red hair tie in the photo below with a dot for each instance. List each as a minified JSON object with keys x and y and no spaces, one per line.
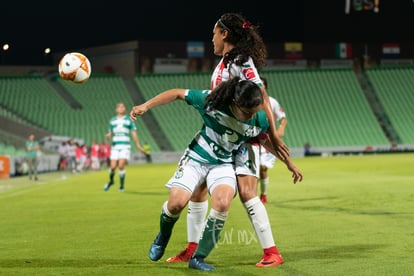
{"x":246,"y":24}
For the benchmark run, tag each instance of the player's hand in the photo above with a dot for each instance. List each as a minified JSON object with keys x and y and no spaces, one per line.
{"x":296,"y":174}
{"x":281,"y":132}
{"x":137,"y":110}
{"x":141,"y":149}
{"x":282,"y":151}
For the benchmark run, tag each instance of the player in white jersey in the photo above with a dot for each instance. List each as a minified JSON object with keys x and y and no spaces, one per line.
{"x":121,"y":127}
{"x":267,"y":159}
{"x":232,"y":114}
{"x":243,"y":51}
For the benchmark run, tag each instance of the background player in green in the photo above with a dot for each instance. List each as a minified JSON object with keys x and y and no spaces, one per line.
{"x":121,"y":128}
{"x":32,"y":147}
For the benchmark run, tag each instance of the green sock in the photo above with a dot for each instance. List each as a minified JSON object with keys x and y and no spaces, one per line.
{"x":122,"y":180}
{"x":210,"y":236}
{"x":111,"y":176}
{"x":167,"y":224}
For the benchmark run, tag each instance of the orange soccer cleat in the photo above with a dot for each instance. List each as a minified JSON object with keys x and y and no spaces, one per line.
{"x":269,"y":260}
{"x":263,"y":198}
{"x":185,"y":255}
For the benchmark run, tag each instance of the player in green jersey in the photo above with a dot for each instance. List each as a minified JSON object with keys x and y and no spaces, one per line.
{"x":232,"y":114}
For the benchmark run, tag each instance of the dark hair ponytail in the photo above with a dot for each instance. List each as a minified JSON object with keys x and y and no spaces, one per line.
{"x":246,"y":39}
{"x":244,"y":93}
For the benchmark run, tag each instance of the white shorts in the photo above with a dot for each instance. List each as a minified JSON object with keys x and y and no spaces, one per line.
{"x":267,"y":159}
{"x":190,"y":174}
{"x":247,"y":160}
{"x":120,"y":153}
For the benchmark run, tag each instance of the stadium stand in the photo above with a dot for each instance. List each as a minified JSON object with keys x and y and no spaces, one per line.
{"x":325,"y":107}
{"x":394,"y":88}
{"x":98,"y":98}
{"x":177,"y":121}
{"x":35,"y":100}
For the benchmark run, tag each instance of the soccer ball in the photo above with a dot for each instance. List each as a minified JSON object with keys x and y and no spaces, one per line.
{"x":75,"y":67}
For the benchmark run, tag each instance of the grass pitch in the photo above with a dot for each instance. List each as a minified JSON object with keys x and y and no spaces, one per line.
{"x":351,"y":215}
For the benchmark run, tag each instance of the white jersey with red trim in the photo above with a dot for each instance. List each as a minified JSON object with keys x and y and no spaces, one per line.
{"x":246,"y":72}
{"x":277,"y":109}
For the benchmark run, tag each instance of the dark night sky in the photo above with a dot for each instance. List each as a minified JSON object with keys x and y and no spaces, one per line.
{"x":30,"y":27}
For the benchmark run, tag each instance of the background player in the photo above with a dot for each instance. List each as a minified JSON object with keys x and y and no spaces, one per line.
{"x":121,"y":127}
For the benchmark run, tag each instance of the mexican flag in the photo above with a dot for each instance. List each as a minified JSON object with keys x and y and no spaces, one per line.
{"x":343,"y":50}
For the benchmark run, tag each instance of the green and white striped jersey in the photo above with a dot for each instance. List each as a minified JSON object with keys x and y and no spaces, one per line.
{"x":221,"y":133}
{"x":121,"y":128}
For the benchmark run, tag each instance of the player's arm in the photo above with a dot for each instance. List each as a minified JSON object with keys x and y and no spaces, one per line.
{"x":281,"y":149}
{"x":165,"y":97}
{"x":281,"y":128}
{"x":137,"y":142}
{"x":296,"y":174}
{"x":108,"y":135}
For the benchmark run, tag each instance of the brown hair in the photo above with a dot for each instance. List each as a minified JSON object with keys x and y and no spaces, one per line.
{"x":245,"y":38}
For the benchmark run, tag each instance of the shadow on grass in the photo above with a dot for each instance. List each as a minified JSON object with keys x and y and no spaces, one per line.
{"x":354,"y":251}
{"x":324,"y":208}
{"x":105,"y":264}
{"x":147,"y":193}
{"x":76,"y":263}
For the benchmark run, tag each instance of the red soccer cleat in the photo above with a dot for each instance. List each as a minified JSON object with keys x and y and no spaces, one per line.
{"x":263,"y":198}
{"x":185,"y":255}
{"x":269,"y":260}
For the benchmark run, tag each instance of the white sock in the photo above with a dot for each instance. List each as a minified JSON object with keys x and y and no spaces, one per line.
{"x":218,"y":215}
{"x":196,"y":218}
{"x":167,"y":212}
{"x":264,"y":182}
{"x":122,"y":173}
{"x":260,"y":220}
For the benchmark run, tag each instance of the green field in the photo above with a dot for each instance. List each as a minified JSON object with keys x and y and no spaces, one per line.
{"x":351,"y":215}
